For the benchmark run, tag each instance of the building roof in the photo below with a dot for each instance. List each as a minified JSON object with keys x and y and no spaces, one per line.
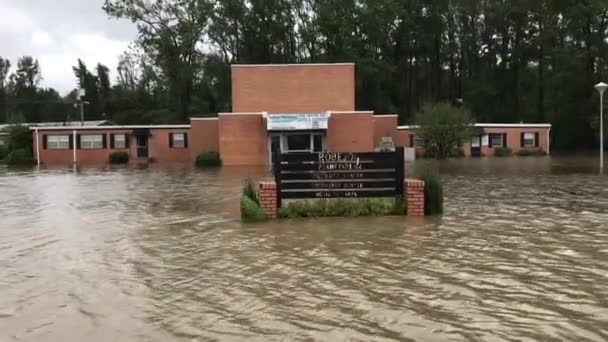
{"x":94,"y":123}
{"x":496,"y":125}
{"x":79,"y":128}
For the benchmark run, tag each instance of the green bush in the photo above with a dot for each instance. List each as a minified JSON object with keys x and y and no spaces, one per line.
{"x":342,"y":207}
{"x":502,"y":152}
{"x":250,"y":210}
{"x":119,"y":158}
{"x":21,"y":156}
{"x":3,"y":151}
{"x":249,"y":190}
{"x":433,"y":191}
{"x":527,"y":153}
{"x":20,"y":137}
{"x":207,"y":159}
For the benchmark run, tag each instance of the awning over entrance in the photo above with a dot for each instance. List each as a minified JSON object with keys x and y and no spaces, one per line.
{"x":297,"y":122}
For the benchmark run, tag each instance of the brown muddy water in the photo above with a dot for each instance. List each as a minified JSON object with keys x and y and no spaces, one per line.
{"x":159,"y":254}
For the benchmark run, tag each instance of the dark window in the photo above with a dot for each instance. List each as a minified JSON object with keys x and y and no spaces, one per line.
{"x":178,"y":140}
{"x":298,"y":142}
{"x":317,"y":143}
{"x":496,"y":140}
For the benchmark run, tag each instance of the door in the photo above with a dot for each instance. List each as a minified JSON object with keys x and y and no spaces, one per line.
{"x":142,"y":146}
{"x":476,"y":146}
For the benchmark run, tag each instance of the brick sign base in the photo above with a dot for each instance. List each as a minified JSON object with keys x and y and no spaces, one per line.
{"x":413,"y":194}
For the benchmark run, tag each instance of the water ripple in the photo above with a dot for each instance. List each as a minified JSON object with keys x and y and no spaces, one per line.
{"x":159,"y":254}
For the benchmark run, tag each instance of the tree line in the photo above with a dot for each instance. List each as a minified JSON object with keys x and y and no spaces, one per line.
{"x":505,"y":60}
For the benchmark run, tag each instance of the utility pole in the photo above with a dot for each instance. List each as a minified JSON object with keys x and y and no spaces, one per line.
{"x":81,"y":94}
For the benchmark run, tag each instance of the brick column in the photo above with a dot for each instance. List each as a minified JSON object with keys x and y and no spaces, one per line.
{"x":267,"y":194}
{"x":414,"y":197}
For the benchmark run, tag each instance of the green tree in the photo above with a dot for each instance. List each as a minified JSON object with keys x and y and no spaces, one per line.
{"x":443,"y":128}
{"x":5,"y":67}
{"x":89,"y":82}
{"x":25,"y":81}
{"x":170,"y":32}
{"x":103,"y":90}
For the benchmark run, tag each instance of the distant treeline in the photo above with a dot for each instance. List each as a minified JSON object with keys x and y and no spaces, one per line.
{"x":506,"y":60}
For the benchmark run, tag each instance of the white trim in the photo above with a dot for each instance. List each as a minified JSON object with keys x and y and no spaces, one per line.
{"x":203,"y":119}
{"x":241,"y":114}
{"x":386,"y":115}
{"x":549,"y":141}
{"x":74,"y":144}
{"x":492,"y":125}
{"x":105,"y":128}
{"x":37,"y":147}
{"x":290,"y":65}
{"x":513,"y":125}
{"x":350,"y":111}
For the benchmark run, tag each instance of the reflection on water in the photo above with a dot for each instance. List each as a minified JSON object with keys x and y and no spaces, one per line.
{"x":158,"y":254}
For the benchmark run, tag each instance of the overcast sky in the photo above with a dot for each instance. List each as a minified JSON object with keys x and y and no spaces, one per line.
{"x":59,"y":32}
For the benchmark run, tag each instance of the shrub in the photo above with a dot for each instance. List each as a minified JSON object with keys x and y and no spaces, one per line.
{"x":3,"y":151}
{"x":502,"y":152}
{"x":526,"y":153}
{"x":250,"y":210}
{"x":433,"y":191}
{"x":119,"y":158}
{"x":206,"y":159}
{"x":342,"y":207}
{"x":443,"y":128}
{"x":20,"y":137}
{"x":20,"y":156}
{"x":249,"y":190}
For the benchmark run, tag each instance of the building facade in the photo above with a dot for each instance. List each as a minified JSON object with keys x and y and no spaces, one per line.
{"x":276,"y":108}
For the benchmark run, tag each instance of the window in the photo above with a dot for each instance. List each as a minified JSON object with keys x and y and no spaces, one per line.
{"x":119,"y":141}
{"x":298,"y":142}
{"x":91,"y":142}
{"x":178,"y":140}
{"x":496,"y":140}
{"x":529,"y":140}
{"x":417,"y":141}
{"x":58,"y":142}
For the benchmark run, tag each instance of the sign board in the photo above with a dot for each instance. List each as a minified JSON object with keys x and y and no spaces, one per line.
{"x":293,"y":122}
{"x":331,"y":175}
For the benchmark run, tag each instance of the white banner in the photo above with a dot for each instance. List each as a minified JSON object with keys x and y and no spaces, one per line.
{"x":293,"y":122}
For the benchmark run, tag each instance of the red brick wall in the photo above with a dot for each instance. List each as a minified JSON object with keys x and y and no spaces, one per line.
{"x":204,"y":136}
{"x":267,"y":194}
{"x":158,"y":147}
{"x":402,"y":137}
{"x":293,"y":88}
{"x":100,"y":156}
{"x":385,"y":126}
{"x":351,"y":132}
{"x":159,"y":150}
{"x":514,"y":138}
{"x":243,"y":139}
{"x":414,"y":197}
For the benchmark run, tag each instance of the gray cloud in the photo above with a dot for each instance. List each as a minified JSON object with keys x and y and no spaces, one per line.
{"x":57,"y":33}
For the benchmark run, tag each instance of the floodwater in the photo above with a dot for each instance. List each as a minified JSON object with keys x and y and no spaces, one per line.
{"x":159,"y":254}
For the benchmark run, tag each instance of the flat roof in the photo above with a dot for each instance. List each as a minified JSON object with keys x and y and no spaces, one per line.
{"x":495,"y":125}
{"x":79,"y":128}
{"x":290,"y":65}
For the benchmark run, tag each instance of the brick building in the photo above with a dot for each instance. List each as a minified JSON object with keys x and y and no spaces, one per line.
{"x":287,"y":108}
